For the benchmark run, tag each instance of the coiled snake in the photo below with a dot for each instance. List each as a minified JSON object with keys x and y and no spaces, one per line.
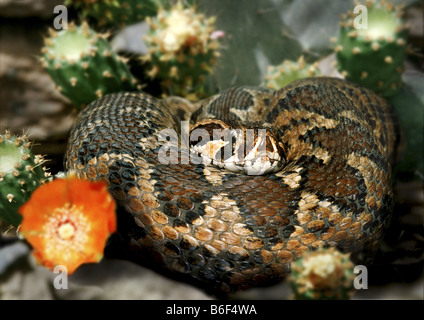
{"x":232,"y":221}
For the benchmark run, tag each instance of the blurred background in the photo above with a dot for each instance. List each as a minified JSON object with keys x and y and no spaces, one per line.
{"x":257,"y":34}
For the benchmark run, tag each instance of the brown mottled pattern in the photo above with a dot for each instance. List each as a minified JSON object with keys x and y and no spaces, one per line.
{"x":228,"y":231}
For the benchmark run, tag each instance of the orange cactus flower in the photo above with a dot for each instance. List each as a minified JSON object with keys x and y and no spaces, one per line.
{"x":67,"y":222}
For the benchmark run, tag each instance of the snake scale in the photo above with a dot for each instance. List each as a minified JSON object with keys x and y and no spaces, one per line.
{"x":329,"y":145}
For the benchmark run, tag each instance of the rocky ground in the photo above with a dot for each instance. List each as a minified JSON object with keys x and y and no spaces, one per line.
{"x":29,"y":103}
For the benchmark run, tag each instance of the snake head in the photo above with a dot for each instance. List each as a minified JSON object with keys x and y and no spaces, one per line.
{"x":248,"y":148}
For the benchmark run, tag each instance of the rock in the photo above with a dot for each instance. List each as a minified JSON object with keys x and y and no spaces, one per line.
{"x":30,"y":102}
{"x":118,"y":279}
{"x":107,"y":280}
{"x":23,"y":281}
{"x":9,"y":254}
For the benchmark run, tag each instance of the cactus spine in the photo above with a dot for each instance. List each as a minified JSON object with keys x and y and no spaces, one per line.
{"x":325,"y":274}
{"x":83,"y":65}
{"x":114,"y":13}
{"x":281,"y":75}
{"x":374,"y":56}
{"x":21,"y":172}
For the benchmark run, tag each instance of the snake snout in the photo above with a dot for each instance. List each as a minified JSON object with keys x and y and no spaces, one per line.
{"x":263,"y":155}
{"x":253,"y":151}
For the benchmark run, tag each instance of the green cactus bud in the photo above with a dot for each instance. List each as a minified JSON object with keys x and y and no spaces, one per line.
{"x":114,"y":13}
{"x":281,"y":75}
{"x":183,"y":48}
{"x":21,"y":172}
{"x":84,"y":66}
{"x":325,"y":274}
{"x":373,"y":54}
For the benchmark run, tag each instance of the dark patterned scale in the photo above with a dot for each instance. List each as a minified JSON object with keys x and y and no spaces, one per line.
{"x":225,"y":230}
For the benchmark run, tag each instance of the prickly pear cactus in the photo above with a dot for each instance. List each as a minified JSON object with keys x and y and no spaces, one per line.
{"x":281,"y":75}
{"x":183,"y":48}
{"x":325,"y":274}
{"x":371,"y":47}
{"x":114,"y":13}
{"x":21,"y":172}
{"x":83,"y":65}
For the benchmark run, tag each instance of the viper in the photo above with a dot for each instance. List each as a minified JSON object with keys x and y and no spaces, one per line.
{"x":226,"y":192}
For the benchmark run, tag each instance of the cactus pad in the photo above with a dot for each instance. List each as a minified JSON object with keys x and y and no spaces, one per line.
{"x":21,"y":172}
{"x":83,"y":65}
{"x":324,"y":274}
{"x":182,"y":49}
{"x":372,"y":54}
{"x":281,"y":75}
{"x":114,"y":13}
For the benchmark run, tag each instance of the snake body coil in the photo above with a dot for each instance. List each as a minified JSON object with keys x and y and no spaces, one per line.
{"x":228,"y":229}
